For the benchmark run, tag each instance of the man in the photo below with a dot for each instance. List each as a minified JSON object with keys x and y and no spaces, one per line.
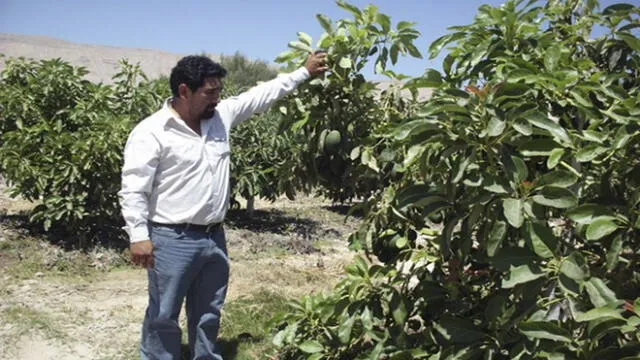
{"x":175,"y":194}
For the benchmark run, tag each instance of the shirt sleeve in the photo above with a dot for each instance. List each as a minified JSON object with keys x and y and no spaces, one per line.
{"x":141,"y":157}
{"x":261,"y":97}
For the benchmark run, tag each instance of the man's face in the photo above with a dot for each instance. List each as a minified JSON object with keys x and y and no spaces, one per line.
{"x":204,"y":100}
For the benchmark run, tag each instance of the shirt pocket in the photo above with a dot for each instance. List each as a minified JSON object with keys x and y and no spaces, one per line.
{"x":183,"y":153}
{"x":217,"y":148}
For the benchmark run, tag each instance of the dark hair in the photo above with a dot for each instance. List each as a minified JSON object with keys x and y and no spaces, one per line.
{"x":192,"y":70}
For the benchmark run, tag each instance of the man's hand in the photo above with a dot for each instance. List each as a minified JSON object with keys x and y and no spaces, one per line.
{"x":142,"y":253}
{"x":317,"y":63}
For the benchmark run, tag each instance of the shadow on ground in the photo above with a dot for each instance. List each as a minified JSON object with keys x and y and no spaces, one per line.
{"x":270,"y":223}
{"x":352,"y":210}
{"x":228,"y":347}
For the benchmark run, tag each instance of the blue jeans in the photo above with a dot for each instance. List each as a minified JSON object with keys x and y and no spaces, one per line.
{"x":188,"y":264}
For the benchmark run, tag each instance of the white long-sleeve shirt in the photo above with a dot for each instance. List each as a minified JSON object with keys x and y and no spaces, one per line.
{"x":173,"y":175}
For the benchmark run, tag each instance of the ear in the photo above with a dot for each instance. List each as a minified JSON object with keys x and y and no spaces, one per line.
{"x":183,"y":91}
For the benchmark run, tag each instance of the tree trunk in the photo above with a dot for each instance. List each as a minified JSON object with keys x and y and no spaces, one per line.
{"x":250,"y":205}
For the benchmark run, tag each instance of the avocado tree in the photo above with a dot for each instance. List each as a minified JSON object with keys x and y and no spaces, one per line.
{"x":512,"y":232}
{"x":61,"y":141}
{"x":262,"y":154}
{"x":338,"y":113}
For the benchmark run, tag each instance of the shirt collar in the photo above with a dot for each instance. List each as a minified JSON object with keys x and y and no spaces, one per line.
{"x":169,"y":113}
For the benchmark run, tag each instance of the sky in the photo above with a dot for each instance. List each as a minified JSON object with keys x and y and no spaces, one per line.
{"x":259,"y":29}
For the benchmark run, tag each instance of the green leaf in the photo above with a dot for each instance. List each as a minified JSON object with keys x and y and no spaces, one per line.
{"x":522,"y":274}
{"x":344,"y":330}
{"x":384,"y":21}
{"x":568,"y":285}
{"x":595,"y":136}
{"x":590,"y":152}
{"x":311,"y":347}
{"x":522,"y":171}
{"x":495,"y":307}
{"x":554,"y":158}
{"x":600,"y":228}
{"x":401,"y":242}
{"x":631,"y":40}
{"x":555,"y":197}
{"x":587,"y":213}
{"x":551,"y":58}
{"x":304,"y":38}
{"x":405,"y":25}
{"x":599,"y":293}
{"x":458,"y":331}
{"x":560,"y":178}
{"x":325,"y":42}
{"x":613,"y":254}
{"x":300,"y":46}
{"x":534,"y":211}
{"x":398,"y":307}
{"x":355,"y":153}
{"x":581,"y":100}
{"x":513,"y":211}
{"x":539,"y":120}
{"x":394,"y":53}
{"x":523,"y":127}
{"x":436,"y":47}
{"x":512,"y":257}
{"x":539,"y":147}
{"x":418,"y":195}
{"x":511,"y":90}
{"x":575,"y":267}
{"x":495,"y":127}
{"x":598,"y":328}
{"x":404,"y":355}
{"x":622,"y":137}
{"x":496,"y":185}
{"x":299,"y":124}
{"x":496,"y":235}
{"x":431,"y":79}
{"x":325,"y":22}
{"x":544,"y":330}
{"x":462,"y":167}
{"x":612,"y":9}
{"x":367,"y":319}
{"x":413,"y":50}
{"x":284,"y":57}
{"x":413,"y":128}
{"x":599,"y":313}
{"x":345,"y":63}
{"x":350,"y":8}
{"x":541,"y":239}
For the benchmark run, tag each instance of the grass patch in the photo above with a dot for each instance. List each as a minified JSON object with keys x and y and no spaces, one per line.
{"x":25,"y":257}
{"x":245,"y":332}
{"x":27,"y":319}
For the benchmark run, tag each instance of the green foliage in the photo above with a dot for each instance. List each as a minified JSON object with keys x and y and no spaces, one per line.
{"x":344,"y":102}
{"x":533,"y":167}
{"x":62,"y":139}
{"x":263,"y":157}
{"x":260,"y":158}
{"x":243,"y":73}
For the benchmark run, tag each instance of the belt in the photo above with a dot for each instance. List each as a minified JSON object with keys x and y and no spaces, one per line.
{"x":211,"y":228}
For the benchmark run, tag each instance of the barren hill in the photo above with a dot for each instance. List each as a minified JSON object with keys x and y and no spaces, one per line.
{"x":101,"y":61}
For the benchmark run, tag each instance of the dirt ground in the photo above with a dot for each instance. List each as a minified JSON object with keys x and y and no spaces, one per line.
{"x":289,"y":247}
